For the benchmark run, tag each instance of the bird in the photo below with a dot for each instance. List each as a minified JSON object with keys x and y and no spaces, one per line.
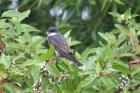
{"x":60,"y":44}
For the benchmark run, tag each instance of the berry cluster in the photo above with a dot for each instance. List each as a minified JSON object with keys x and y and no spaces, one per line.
{"x":55,"y":80}
{"x":124,"y":82}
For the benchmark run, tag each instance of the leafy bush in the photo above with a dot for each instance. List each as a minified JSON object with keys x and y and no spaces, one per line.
{"x":25,"y":65}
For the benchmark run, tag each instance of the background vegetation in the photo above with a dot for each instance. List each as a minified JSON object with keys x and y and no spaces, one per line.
{"x":104,"y":35}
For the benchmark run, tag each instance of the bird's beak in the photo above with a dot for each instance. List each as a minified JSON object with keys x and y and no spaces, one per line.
{"x":46,"y":33}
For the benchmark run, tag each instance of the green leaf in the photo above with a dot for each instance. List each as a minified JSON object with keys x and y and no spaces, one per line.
{"x":72,"y":43}
{"x":15,"y":13}
{"x":109,"y":37}
{"x":27,"y":37}
{"x":13,"y":46}
{"x":28,"y":62}
{"x":3,"y":24}
{"x":120,"y":2}
{"x":120,"y":39}
{"x":48,"y":54}
{"x":16,"y":73}
{"x":114,"y":14}
{"x":120,"y":66}
{"x":3,"y":72}
{"x":58,"y":89}
{"x":28,"y":28}
{"x":135,"y":72}
{"x":105,"y":2}
{"x":9,"y":87}
{"x":35,"y":72}
{"x":5,"y":60}
{"x":11,"y":13}
{"x":127,"y":14}
{"x":88,"y":81}
{"x":108,"y":82}
{"x":63,"y":66}
{"x":90,"y":64}
{"x":53,"y":70}
{"x":37,"y":41}
{"x":66,"y":35}
{"x":87,"y":52}
{"x":104,"y":36}
{"x":98,"y":68}
{"x":23,"y":15}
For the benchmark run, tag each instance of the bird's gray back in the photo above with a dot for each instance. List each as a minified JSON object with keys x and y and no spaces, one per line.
{"x":59,"y":43}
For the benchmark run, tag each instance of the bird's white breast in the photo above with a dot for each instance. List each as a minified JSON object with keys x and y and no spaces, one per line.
{"x":52,"y":34}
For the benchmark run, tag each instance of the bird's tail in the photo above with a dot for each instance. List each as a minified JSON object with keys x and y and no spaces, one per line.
{"x":73,"y":59}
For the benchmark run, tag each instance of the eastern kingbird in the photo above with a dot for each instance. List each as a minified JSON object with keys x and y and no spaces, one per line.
{"x":56,"y":39}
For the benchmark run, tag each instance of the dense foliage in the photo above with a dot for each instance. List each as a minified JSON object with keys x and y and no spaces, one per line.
{"x":28,"y":65}
{"x":86,"y":17}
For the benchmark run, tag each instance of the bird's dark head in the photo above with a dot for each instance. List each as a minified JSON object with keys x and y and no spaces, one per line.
{"x":52,"y":31}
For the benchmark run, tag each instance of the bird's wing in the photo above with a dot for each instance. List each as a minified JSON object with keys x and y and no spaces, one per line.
{"x":60,"y":43}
